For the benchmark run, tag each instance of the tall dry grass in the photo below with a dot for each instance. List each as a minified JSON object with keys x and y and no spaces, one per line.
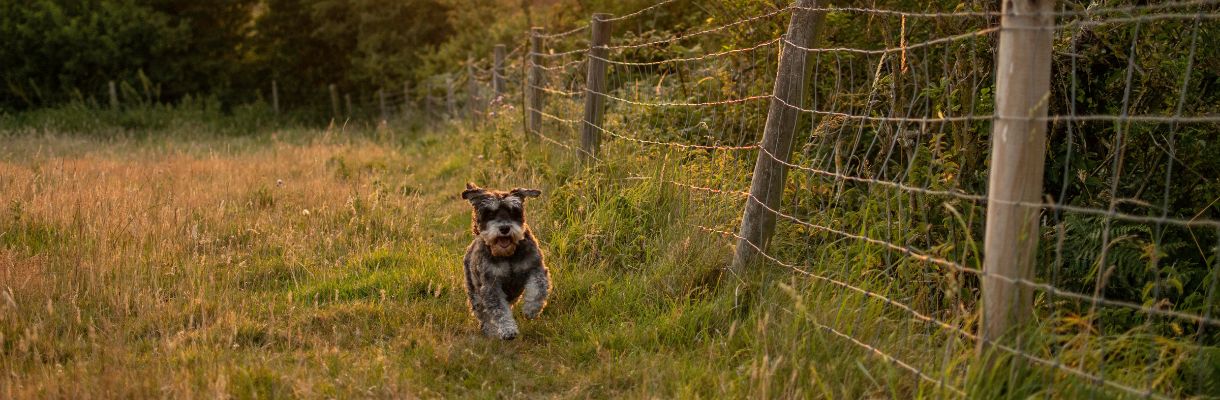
{"x":118,"y":262}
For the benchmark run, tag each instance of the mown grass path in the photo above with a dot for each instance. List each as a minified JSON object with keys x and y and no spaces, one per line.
{"x":300,"y":264}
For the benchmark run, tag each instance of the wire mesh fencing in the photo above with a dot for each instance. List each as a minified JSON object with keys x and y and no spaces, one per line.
{"x":888,"y":183}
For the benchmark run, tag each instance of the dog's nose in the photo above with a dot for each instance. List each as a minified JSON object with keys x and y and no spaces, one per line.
{"x":503,"y":230}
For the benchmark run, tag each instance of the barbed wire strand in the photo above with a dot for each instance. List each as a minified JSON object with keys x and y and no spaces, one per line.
{"x":698,"y":33}
{"x":639,"y":12}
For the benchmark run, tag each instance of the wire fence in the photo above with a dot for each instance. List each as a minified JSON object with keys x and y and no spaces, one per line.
{"x":890,"y":187}
{"x":884,"y":177}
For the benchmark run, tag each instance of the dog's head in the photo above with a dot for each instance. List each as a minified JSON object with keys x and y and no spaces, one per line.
{"x":499,"y":217}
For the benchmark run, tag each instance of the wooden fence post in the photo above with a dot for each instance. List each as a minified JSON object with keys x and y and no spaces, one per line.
{"x":767,"y":185}
{"x":114,"y":96}
{"x":497,"y":71}
{"x":334,"y":102}
{"x":595,"y":84}
{"x":1018,"y":154}
{"x":385,"y":112}
{"x":275,"y":97}
{"x":525,"y":91}
{"x":533,"y":85}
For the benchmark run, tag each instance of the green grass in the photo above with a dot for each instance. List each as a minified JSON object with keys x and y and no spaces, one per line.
{"x":180,"y":268}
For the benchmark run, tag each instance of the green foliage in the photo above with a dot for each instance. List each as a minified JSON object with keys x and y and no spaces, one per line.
{"x":355,"y":44}
{"x":1140,"y":168}
{"x":144,"y":120}
{"x":56,"y":50}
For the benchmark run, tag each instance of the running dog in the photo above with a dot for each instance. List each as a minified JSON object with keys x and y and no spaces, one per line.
{"x":503,"y":261}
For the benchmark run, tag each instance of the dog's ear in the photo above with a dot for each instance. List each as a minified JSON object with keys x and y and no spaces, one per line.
{"x":524,"y":193}
{"x":473,"y":192}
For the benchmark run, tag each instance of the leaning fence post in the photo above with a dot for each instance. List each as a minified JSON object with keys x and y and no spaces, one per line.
{"x":1018,"y":141}
{"x":497,"y":71}
{"x":595,"y":85}
{"x":275,"y":97}
{"x":770,"y":171}
{"x":334,"y":102}
{"x":114,"y":96}
{"x":534,"y":84}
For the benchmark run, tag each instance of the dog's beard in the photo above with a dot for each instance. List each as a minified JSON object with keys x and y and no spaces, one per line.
{"x":503,"y":246}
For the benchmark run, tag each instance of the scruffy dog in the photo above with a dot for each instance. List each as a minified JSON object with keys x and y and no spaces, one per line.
{"x":503,"y":261}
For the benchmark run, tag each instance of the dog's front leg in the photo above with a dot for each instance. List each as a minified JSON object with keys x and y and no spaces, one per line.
{"x":475,"y":297}
{"x":497,"y":310}
{"x":536,"y":288}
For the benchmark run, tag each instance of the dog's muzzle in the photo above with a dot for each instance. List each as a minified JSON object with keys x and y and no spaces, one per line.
{"x":502,"y":238}
{"x":503,"y":246}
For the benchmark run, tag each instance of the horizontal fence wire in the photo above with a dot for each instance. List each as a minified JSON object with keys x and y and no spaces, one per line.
{"x":585,"y":27}
{"x":996,"y":14}
{"x":703,"y":32}
{"x":640,"y":11}
{"x":690,"y":59}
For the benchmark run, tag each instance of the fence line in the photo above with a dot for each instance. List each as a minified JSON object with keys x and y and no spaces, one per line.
{"x":879,"y":166}
{"x":886,"y":156}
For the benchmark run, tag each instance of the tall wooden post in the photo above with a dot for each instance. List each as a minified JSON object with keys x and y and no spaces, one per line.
{"x":275,"y":97}
{"x":334,"y":102}
{"x":497,"y":72}
{"x":533,"y":85}
{"x":114,"y":96}
{"x":595,"y":82}
{"x":347,"y":100}
{"x":525,"y":89}
{"x":767,"y":186}
{"x":1018,"y":152}
{"x":385,"y":112}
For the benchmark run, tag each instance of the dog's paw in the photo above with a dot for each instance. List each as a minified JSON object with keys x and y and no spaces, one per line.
{"x":531,"y":312}
{"x":508,"y":333}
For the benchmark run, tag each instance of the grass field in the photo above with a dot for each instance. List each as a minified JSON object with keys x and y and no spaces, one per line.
{"x":325,"y":263}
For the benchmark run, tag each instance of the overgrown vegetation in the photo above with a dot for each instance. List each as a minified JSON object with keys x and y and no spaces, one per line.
{"x":193,"y":244}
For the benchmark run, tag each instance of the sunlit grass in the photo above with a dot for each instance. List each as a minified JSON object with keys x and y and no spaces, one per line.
{"x":325,"y":263}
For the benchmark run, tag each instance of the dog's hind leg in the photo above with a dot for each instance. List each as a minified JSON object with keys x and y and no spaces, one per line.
{"x":536,"y":288}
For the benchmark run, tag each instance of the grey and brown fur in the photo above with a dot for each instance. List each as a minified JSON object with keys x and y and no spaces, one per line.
{"x":503,"y":261}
